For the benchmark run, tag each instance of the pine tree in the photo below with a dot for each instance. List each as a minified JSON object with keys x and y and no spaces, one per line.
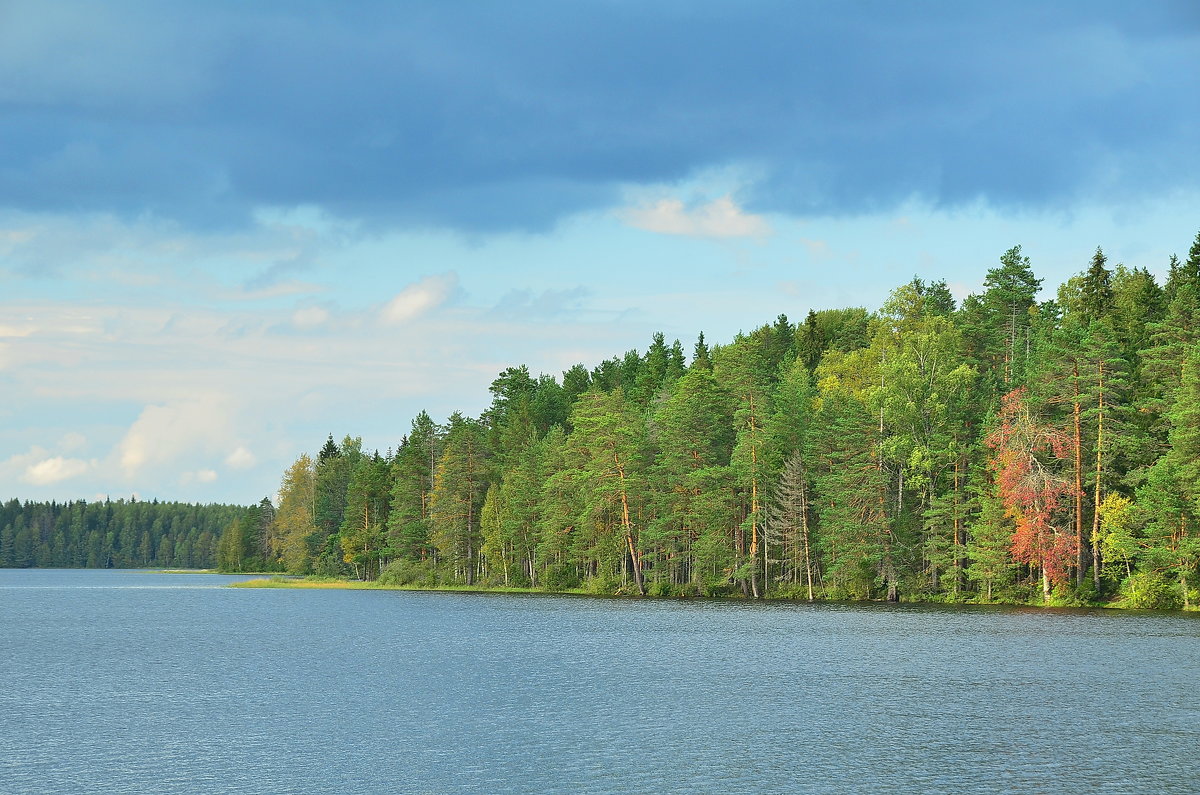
{"x":459,"y":488}
{"x":413,"y":471}
{"x":850,"y":495}
{"x":990,"y":544}
{"x":693,"y":430}
{"x":607,"y":448}
{"x":1008,"y":297}
{"x":789,"y":523}
{"x":746,"y":372}
{"x":362,"y":533}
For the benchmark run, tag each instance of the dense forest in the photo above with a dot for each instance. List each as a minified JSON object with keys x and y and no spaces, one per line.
{"x":1002,"y":450}
{"x":112,"y":534}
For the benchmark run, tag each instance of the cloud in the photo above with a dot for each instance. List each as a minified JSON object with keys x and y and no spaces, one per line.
{"x":38,"y":467}
{"x":162,"y":434}
{"x":718,"y":218}
{"x":418,"y":299}
{"x":410,"y":115}
{"x":15,"y":331}
{"x":310,"y":317}
{"x":53,"y":470}
{"x":241,"y":458}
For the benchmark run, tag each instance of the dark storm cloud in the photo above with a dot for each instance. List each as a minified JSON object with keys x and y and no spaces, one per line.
{"x":509,"y":115}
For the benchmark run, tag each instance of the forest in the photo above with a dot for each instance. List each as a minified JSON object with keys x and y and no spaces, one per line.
{"x":114,"y":534}
{"x":1002,"y":450}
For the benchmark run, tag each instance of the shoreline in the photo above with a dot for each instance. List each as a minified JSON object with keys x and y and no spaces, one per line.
{"x":302,"y":583}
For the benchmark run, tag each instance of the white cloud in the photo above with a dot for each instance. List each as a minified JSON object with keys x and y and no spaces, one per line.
{"x":39,"y":467}
{"x":241,"y":458}
{"x":719,"y":218}
{"x":418,"y":298}
{"x":310,"y":317}
{"x":53,"y":470}
{"x":162,"y":434}
{"x":15,"y":331}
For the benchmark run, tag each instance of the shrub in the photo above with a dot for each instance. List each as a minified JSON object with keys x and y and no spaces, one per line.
{"x":417,"y":573}
{"x":1147,"y":591}
{"x":602,"y":584}
{"x":560,"y":577}
{"x":660,"y":588}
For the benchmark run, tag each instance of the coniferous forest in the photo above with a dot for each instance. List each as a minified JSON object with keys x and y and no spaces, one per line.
{"x":1004,"y":449}
{"x":116,"y":534}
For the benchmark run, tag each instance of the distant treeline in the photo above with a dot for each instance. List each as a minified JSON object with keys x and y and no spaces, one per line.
{"x":1001,"y":449}
{"x":112,"y":534}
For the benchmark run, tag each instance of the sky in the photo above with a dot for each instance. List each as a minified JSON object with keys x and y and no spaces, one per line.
{"x":228,"y":230}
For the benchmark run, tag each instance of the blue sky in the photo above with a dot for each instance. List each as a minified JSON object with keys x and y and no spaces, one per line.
{"x":229,"y":229}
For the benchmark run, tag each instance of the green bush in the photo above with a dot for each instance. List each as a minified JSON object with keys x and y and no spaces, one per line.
{"x":671,"y":590}
{"x":560,"y":577}
{"x":1147,"y":591}
{"x":415,"y":573}
{"x":716,"y":586}
{"x":602,"y":584}
{"x":791,"y":590}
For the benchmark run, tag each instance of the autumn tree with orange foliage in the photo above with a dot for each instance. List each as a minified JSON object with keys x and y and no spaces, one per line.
{"x":1030,"y":489}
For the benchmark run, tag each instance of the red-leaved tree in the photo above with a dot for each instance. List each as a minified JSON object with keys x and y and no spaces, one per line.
{"x":1030,"y":490}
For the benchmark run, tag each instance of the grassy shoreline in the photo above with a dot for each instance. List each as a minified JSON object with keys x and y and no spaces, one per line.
{"x":319,"y":583}
{"x":325,"y":583}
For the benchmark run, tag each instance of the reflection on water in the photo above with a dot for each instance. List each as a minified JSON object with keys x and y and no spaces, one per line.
{"x":138,"y":682}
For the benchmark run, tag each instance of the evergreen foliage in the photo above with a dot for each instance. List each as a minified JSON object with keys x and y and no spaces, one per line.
{"x":1001,"y":449}
{"x":129,"y":534}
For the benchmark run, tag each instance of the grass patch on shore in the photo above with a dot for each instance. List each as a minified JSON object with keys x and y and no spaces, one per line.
{"x":327,"y":583}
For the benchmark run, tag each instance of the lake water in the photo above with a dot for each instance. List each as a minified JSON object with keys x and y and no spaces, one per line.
{"x":134,"y":682}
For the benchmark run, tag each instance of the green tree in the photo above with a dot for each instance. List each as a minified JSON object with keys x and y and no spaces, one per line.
{"x":459,"y":488}
{"x":294,"y":525}
{"x":608,"y":451}
{"x":693,"y":430}
{"x":991,"y":534}
{"x":850,"y":495}
{"x":414,"y":469}
{"x":362,"y":534}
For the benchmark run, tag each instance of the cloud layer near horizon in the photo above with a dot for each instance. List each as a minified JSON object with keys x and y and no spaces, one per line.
{"x":490,"y":116}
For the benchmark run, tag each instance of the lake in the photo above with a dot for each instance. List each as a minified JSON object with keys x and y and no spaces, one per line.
{"x":135,"y":682}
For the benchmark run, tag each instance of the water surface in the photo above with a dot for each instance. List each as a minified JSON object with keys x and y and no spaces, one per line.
{"x":132,"y":682}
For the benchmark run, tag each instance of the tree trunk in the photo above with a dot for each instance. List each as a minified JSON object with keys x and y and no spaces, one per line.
{"x":754,"y":506}
{"x":808,"y":570}
{"x":1099,"y":471}
{"x":628,"y":527}
{"x":1080,"y":561}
